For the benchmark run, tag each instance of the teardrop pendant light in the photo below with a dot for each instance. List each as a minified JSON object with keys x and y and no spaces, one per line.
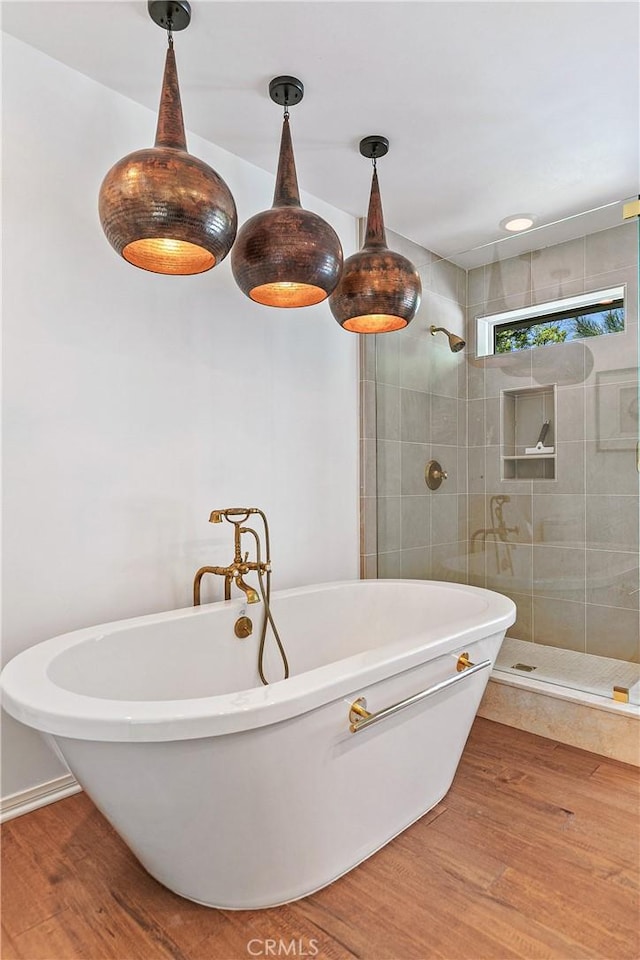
{"x":379,"y":290}
{"x":286,"y":256}
{"x":161,"y":208}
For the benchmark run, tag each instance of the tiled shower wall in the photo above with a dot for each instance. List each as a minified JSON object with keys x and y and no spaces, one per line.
{"x":571,"y":563}
{"x":413,"y":402}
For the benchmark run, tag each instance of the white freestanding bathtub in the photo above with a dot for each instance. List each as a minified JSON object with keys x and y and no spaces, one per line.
{"x":241,"y":796}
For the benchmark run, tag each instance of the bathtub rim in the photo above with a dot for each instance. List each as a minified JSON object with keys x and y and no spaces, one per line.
{"x":30,"y":696}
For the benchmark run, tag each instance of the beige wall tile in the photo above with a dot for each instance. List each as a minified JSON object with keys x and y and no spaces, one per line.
{"x":445,"y":279}
{"x":610,"y":471}
{"x":388,"y":468}
{"x":463,"y":469}
{"x":462,"y":423}
{"x":476,"y":517}
{"x":368,"y":525}
{"x":449,"y":562}
{"x":612,"y":579}
{"x":506,"y":278}
{"x":612,"y":523}
{"x":558,"y":290}
{"x":559,"y":623}
{"x":414,"y":458}
{"x":367,"y":357}
{"x":388,"y":411}
{"x":475,"y":378}
{"x":564,"y":364}
{"x":492,"y":420}
{"x":462,"y":375}
{"x":367,"y":408}
{"x":559,"y":263}
{"x":494,"y":483}
{"x":415,"y":563}
{"x":476,"y":476}
{"x":443,"y":369}
{"x":476,"y":558}
{"x":414,"y":362}
{"x":570,"y":471}
{"x":444,"y":420}
{"x":611,"y":249}
{"x":388,"y":524}
{"x":508,"y":566}
{"x":611,"y":413}
{"x":559,"y":572}
{"x":463,"y":517}
{"x":522,"y":628}
{"x":416,"y":520}
{"x":570,"y":403}
{"x":516,"y":516}
{"x":476,"y":292}
{"x":368,"y":468}
{"x":508,"y":371}
{"x":559,"y":519}
{"x":388,"y":356}
{"x":390,"y":565}
{"x":476,"y":424}
{"x":613,"y":632}
{"x":448,"y":458}
{"x":418,"y":255}
{"x":444,"y":517}
{"x":414,"y":416}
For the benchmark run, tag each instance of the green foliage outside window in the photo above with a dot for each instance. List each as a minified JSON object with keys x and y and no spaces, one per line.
{"x":509,"y":339}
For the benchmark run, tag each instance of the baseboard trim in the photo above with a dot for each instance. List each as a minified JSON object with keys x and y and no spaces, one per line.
{"x":17,"y":804}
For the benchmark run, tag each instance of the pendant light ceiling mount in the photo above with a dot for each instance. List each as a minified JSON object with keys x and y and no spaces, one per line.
{"x":172,"y":15}
{"x":374,"y":147}
{"x":286,"y":91}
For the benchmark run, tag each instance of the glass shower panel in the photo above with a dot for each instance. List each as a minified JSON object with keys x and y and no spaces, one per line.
{"x":420,"y":411}
{"x":555,"y":528}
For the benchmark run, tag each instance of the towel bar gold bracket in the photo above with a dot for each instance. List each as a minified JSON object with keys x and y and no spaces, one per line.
{"x":360,"y":717}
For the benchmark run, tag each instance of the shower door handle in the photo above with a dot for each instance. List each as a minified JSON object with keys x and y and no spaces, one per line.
{"x":360,"y":717}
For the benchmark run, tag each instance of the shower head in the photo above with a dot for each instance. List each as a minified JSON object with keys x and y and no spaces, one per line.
{"x":456,"y":343}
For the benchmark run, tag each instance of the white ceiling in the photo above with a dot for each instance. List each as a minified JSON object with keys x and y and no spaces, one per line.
{"x":491,"y":108}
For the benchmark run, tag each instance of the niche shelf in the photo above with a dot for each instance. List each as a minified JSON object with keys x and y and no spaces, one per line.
{"x":522,"y":413}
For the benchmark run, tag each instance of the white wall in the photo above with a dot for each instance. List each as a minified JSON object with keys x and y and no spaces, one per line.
{"x":136,"y":403}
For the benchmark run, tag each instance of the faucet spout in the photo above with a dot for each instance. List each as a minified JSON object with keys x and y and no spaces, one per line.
{"x":251,"y":594}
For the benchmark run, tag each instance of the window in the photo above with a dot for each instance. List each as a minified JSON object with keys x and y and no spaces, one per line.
{"x":588,"y":315}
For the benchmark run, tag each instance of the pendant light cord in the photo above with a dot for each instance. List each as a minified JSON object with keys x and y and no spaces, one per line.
{"x":170,"y":33}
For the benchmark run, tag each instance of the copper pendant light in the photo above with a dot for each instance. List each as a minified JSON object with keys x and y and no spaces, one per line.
{"x":161,"y":208}
{"x":286,"y":256}
{"x":379,"y":290}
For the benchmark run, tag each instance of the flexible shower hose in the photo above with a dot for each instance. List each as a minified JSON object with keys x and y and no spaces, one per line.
{"x":266,"y":599}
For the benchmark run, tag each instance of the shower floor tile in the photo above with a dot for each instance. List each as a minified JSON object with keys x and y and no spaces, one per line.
{"x":566,"y":668}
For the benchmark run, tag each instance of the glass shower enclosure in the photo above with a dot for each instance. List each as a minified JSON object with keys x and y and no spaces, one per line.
{"x":535,"y":424}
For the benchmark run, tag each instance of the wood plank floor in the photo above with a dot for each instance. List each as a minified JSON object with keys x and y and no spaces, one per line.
{"x":533,"y":853}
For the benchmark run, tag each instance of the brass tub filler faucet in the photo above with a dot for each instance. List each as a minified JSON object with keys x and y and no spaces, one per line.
{"x":236,"y":571}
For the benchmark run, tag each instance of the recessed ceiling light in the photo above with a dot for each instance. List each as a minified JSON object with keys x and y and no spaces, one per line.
{"x":521,"y":221}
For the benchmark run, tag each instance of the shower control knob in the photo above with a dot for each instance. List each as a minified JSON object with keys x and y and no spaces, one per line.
{"x":434,"y":474}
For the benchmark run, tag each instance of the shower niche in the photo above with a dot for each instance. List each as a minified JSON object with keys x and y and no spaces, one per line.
{"x":528,"y":417}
